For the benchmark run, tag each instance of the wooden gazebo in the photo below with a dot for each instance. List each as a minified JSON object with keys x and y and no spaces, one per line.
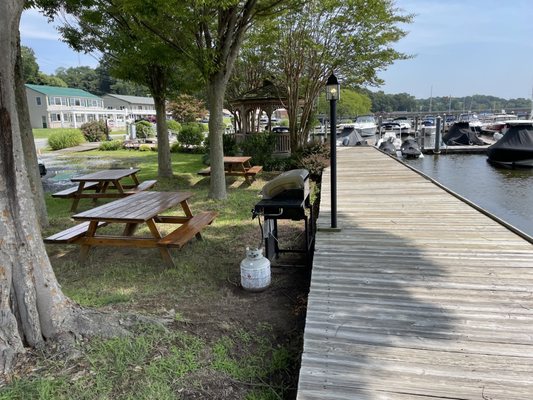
{"x":250,"y":106}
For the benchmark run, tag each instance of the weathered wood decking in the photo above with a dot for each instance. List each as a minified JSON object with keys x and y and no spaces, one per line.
{"x":420,"y":296}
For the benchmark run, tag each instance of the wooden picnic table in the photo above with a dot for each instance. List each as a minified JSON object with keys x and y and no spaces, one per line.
{"x":132,"y":211}
{"x":237,"y":166}
{"x":99,"y":182}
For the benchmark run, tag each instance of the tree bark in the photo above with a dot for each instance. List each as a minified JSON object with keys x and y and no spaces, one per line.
{"x":215,"y":98}
{"x":158,"y":87}
{"x":164,"y":162}
{"x":33,"y":309}
{"x":28,"y":143}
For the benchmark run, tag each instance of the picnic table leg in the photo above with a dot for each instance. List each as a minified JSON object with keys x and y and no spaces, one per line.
{"x":129,"y":230}
{"x":77,"y":195}
{"x":165,"y":253}
{"x":188,"y":213}
{"x":135,"y":179}
{"x":84,"y":250}
{"x":119,"y":187}
{"x":101,"y":188}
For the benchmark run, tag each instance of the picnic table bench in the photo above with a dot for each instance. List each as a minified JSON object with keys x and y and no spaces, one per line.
{"x":237,"y":166}
{"x":141,"y":208}
{"x":99,"y":182}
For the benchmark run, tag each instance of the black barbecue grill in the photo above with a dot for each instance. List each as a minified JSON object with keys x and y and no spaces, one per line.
{"x":286,"y":197}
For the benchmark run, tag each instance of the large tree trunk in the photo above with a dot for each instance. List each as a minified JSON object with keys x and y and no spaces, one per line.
{"x":158,"y":87}
{"x":215,"y":98}
{"x":164,"y":162}
{"x":28,"y":143}
{"x":33,"y":309}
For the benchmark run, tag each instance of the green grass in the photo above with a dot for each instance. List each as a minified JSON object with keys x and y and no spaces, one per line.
{"x":41,"y":133}
{"x":217,"y":336}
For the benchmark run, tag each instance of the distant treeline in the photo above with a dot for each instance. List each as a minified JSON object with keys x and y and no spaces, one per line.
{"x":382,"y":102}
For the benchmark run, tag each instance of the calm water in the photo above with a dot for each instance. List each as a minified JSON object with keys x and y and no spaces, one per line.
{"x":506,"y":193}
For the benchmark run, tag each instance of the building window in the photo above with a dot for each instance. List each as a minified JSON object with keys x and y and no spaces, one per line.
{"x":55,"y":117}
{"x":38,"y":100}
{"x":79,"y":117}
{"x":75,"y":101}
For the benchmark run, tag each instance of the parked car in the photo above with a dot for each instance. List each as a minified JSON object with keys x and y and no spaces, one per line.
{"x":280,"y":129}
{"x":42,"y":167}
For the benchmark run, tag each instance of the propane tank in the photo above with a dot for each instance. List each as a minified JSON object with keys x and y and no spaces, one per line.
{"x":255,"y":270}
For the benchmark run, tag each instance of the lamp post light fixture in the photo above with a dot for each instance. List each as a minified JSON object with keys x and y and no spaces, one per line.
{"x":333,"y":91}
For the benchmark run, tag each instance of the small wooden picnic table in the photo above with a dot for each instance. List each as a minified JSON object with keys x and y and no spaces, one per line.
{"x":237,"y":166}
{"x":141,"y":208}
{"x":100,"y":182}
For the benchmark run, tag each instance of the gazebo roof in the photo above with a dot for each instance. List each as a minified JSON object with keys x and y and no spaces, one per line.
{"x":267,"y":94}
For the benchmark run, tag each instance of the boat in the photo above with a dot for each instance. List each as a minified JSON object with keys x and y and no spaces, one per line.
{"x":388,"y":147}
{"x":389,"y":143}
{"x":410,"y":148}
{"x":391,"y":126}
{"x":428,"y":126}
{"x":515,"y":148}
{"x":350,"y":136}
{"x":495,"y":123}
{"x":460,"y":134}
{"x":473,"y":121}
{"x":366,"y":125}
{"x":405,"y":125}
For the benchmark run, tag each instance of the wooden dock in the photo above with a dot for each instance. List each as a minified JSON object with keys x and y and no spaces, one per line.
{"x":419,"y":296}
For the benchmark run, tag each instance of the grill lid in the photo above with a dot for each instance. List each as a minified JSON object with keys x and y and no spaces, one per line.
{"x":288,"y":181}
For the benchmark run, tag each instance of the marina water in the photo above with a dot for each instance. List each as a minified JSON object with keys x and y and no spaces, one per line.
{"x":506,"y":193}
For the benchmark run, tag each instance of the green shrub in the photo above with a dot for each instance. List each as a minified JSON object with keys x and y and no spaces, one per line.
{"x":175,"y":148}
{"x":284,"y":122}
{"x":64,"y":139}
{"x":145,"y":147}
{"x":144,"y":130}
{"x":259,"y":146}
{"x":173,"y":126}
{"x":314,"y":157}
{"x":278,"y":164}
{"x":111,"y":145}
{"x":94,"y":131}
{"x":191,"y":135}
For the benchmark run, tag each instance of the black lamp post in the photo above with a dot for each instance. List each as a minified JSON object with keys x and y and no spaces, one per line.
{"x":333,"y":94}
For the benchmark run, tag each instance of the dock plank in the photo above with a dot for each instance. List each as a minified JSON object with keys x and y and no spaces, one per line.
{"x":419,"y":295}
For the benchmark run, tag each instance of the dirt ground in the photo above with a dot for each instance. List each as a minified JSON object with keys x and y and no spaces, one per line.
{"x":226,"y":308}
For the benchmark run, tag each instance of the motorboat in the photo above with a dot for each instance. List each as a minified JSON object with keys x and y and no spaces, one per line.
{"x":405,"y":125}
{"x":515,"y":148}
{"x":391,"y":126}
{"x":410,"y":148}
{"x":388,"y":147}
{"x":460,"y":134}
{"x":428,"y":126}
{"x":473,"y":120}
{"x":350,"y":136}
{"x":389,"y":143}
{"x":366,"y":125}
{"x":495,"y":123}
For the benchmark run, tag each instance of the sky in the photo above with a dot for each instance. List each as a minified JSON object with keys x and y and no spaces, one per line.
{"x":459,"y":48}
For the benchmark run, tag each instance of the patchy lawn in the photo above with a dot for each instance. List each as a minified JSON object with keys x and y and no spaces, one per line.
{"x":221,"y":342}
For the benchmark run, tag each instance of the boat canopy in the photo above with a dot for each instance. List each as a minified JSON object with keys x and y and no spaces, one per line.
{"x":460,"y":134}
{"x":515,"y":146}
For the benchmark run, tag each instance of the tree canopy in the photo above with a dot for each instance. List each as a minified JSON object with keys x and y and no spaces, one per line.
{"x":353,"y":38}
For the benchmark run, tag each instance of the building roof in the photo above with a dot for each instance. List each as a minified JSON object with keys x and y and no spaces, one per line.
{"x":133,"y":99}
{"x":61,"y":91}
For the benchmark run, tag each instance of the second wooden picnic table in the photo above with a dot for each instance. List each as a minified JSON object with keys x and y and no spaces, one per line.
{"x":99,"y":182}
{"x":237,"y":166}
